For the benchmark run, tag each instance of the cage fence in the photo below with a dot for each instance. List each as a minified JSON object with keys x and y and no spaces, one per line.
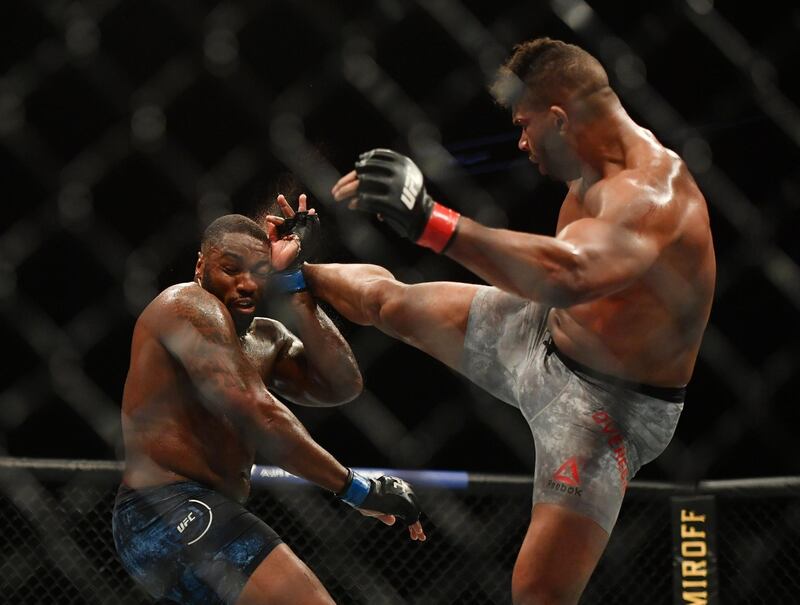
{"x":117,"y":149}
{"x":55,"y":520}
{"x":127,"y":125}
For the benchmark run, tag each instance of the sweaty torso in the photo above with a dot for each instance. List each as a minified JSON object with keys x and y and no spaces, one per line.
{"x":169,"y":434}
{"x":650,"y":331}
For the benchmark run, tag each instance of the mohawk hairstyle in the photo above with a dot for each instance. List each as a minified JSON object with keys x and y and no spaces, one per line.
{"x":230,"y":223}
{"x":545,"y":72}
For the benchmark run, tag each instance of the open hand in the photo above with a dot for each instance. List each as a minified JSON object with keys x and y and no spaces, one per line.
{"x":415,"y":529}
{"x":284,"y":248}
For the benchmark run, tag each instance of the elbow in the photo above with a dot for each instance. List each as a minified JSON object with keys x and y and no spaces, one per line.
{"x":323,"y":391}
{"x":342,"y":392}
{"x":340,"y":386}
{"x":567,"y":283}
{"x":554,"y":280}
{"x":348,"y":392}
{"x":559,"y":289}
{"x":328,"y":391}
{"x":358,"y":387}
{"x":565,"y":294}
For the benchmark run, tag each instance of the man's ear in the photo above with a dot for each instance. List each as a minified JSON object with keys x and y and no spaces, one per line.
{"x":560,"y":118}
{"x":198,"y":268}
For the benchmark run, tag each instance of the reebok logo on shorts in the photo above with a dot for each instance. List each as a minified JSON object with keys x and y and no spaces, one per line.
{"x":568,"y":473}
{"x":566,"y":478}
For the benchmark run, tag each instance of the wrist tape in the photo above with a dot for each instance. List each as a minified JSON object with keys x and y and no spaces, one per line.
{"x":440,"y":228}
{"x":289,"y":281}
{"x":356,"y":489}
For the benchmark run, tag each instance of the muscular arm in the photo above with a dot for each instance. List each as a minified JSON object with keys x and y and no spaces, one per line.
{"x":590,"y":258}
{"x":199,"y":333}
{"x":319,"y":368}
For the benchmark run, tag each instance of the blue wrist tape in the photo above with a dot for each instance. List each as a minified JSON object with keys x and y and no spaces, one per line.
{"x":290,"y":282}
{"x":357,"y":491}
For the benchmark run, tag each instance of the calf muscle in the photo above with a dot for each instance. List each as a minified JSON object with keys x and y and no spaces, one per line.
{"x":349,"y":288}
{"x":430,"y":316}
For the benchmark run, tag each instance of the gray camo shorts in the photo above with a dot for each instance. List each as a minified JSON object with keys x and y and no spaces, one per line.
{"x":591,"y":432}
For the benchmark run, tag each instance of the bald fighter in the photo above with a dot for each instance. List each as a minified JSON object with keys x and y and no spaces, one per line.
{"x":593,"y":333}
{"x":198,"y":406}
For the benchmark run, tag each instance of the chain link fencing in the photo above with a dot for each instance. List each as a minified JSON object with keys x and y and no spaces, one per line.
{"x":58,"y":546}
{"x":117,"y":148}
{"x":127,"y":125}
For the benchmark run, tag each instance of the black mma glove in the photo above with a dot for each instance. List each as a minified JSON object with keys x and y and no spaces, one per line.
{"x":387,"y":495}
{"x":309,"y":235}
{"x":391,"y":185}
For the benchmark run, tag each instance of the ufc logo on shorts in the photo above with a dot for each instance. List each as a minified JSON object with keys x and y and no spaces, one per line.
{"x":185,"y":523}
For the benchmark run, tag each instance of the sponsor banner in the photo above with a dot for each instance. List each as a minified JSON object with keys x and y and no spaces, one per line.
{"x":694,"y":550}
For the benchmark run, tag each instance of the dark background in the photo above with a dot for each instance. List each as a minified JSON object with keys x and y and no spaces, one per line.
{"x":127,"y":125}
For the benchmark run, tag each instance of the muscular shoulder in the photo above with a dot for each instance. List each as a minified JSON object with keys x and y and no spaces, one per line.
{"x":650,"y":197}
{"x":184,"y":302}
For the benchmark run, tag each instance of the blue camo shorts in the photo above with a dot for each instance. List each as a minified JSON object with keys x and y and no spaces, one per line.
{"x":187,"y":543}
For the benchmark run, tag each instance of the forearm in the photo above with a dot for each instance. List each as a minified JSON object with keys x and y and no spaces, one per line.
{"x":330,"y":359}
{"x":234,"y":391}
{"x":545,"y":269}
{"x":280,"y":437}
{"x":537,"y":267}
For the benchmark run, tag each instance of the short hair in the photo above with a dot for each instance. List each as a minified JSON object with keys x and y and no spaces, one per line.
{"x":231,"y":223}
{"x":288,"y":185}
{"x":545,"y":72}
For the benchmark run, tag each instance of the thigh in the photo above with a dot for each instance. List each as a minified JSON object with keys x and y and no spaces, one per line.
{"x":431,"y":316}
{"x":584,"y":457}
{"x":560,"y":551}
{"x":504,"y":347}
{"x":283,"y":579}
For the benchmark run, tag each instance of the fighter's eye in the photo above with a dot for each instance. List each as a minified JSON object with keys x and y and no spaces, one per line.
{"x":229,"y":270}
